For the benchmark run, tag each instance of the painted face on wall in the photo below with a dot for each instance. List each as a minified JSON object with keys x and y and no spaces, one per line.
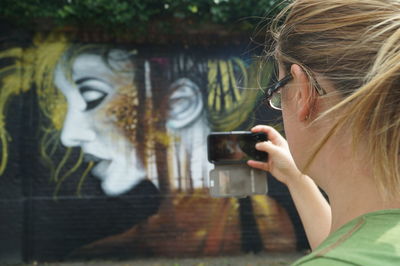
{"x":102,"y":119}
{"x":102,"y":101}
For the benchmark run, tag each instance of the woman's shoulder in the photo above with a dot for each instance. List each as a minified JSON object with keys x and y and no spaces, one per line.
{"x":371,"y":239}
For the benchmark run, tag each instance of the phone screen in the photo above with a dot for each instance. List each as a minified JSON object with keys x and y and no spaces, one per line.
{"x":231,"y":147}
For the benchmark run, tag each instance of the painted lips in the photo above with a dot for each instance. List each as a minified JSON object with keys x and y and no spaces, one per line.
{"x":91,"y":158}
{"x":102,"y":165}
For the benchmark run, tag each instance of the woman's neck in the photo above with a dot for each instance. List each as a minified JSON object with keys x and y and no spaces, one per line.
{"x":352,"y":201}
{"x":352,"y":191}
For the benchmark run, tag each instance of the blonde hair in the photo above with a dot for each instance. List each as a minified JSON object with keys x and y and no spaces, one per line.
{"x":356,"y":45}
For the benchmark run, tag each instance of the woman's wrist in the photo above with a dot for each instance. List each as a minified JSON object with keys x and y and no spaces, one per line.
{"x":297,"y":180}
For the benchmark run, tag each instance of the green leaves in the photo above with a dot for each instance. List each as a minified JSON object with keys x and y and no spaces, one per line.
{"x":112,"y":15}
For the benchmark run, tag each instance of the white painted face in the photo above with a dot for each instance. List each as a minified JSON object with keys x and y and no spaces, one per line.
{"x":94,"y":86}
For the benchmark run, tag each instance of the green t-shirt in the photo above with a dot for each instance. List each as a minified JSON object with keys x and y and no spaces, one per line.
{"x":371,"y":239}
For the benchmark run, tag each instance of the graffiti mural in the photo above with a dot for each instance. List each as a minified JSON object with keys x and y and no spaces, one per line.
{"x":119,"y":159}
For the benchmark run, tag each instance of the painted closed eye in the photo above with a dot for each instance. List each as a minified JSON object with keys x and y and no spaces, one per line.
{"x":92,"y":97}
{"x":93,"y":91}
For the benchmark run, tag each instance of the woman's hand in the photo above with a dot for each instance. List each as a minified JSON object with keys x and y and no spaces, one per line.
{"x":309,"y":201}
{"x":280,"y":162}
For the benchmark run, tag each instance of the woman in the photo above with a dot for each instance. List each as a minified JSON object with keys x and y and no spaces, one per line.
{"x":339,"y":88}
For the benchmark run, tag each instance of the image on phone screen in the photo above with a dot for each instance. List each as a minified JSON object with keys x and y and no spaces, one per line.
{"x":234,"y":148}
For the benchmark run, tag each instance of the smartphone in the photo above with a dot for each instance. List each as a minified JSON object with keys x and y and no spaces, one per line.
{"x":237,"y":181}
{"x":235,"y":147}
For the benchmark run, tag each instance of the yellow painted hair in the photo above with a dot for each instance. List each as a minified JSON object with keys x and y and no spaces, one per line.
{"x":31,"y":66}
{"x":34,"y":67}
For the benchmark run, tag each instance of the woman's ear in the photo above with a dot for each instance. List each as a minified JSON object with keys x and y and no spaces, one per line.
{"x":185,"y":104}
{"x":303,"y":93}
